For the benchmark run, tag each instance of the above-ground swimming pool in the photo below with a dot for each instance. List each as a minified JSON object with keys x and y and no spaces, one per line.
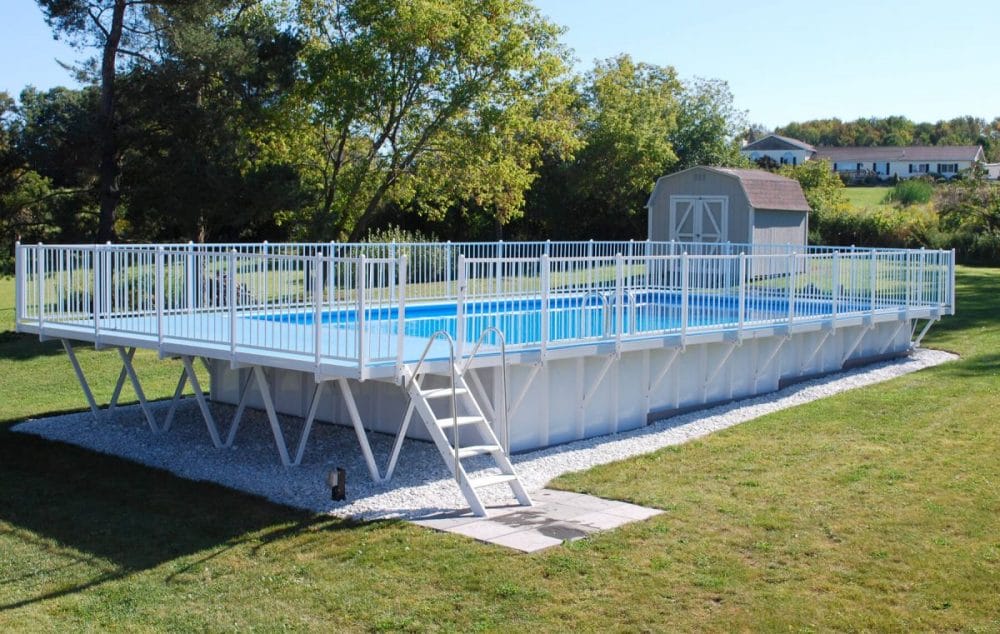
{"x":573,"y":317}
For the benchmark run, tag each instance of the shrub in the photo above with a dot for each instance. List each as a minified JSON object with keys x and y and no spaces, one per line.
{"x":423,"y":264}
{"x":911,"y":192}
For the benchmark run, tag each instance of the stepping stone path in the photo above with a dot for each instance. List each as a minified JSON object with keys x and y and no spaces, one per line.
{"x":556,"y":517}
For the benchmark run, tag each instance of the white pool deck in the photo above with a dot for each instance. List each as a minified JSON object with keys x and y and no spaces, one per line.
{"x":292,"y":346}
{"x":226,"y":304}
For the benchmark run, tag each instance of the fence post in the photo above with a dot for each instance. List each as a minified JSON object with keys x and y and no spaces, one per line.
{"x":742,"y":293}
{"x":619,"y":299}
{"x":95,"y":299}
{"x":40,"y":275}
{"x":685,"y":292}
{"x":873,"y":274}
{"x":19,"y":280}
{"x":835,"y":275}
{"x":231,"y":298}
{"x":791,"y":287}
{"x":460,"y":306}
{"x":951,"y":282}
{"x":544,"y":265}
{"x":109,"y":280}
{"x":920,"y":277}
{"x":498,"y":266}
{"x":361,"y":275}
{"x":447,"y":271}
{"x":160,"y":297}
{"x":401,"y":319}
{"x":189,"y":276}
{"x":317,"y":275}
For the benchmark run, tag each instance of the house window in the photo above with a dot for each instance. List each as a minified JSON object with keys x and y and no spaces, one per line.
{"x":947,"y":168}
{"x":887,"y":169}
{"x":795,"y":160}
{"x":924,"y":168}
{"x":875,"y":167}
{"x":860,"y":167}
{"x":835,"y":167}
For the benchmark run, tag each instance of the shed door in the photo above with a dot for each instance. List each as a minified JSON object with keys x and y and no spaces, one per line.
{"x":699,"y":218}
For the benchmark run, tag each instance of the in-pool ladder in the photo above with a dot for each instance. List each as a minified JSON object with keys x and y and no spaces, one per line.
{"x":446,"y":429}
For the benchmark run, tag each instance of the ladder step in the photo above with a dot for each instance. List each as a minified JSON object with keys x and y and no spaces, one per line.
{"x":448,"y":422}
{"x":443,"y":392}
{"x":486,"y":481}
{"x":477,"y":450}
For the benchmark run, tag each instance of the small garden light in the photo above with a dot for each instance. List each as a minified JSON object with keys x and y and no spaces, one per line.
{"x":337,"y":480}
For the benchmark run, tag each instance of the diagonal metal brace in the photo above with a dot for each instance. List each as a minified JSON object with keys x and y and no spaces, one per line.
{"x":188,"y":375}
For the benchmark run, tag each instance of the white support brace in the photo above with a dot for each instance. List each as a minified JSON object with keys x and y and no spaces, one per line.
{"x":82,"y":379}
{"x":126,"y":358}
{"x":715,"y":371}
{"x":359,"y":429}
{"x":815,"y":350}
{"x":662,"y":374}
{"x":482,"y":396}
{"x":524,"y":390}
{"x":930,"y":322}
{"x":589,"y":394}
{"x":895,"y":333}
{"x":257,"y":373}
{"x":310,"y":418}
{"x":854,"y":344}
{"x":398,"y":445}
{"x":188,"y":375}
{"x":761,"y":367}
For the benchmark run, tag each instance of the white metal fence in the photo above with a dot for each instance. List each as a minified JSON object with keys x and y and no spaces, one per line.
{"x":346,"y":304}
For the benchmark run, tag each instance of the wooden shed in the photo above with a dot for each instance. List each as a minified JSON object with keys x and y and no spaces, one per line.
{"x":718,"y":204}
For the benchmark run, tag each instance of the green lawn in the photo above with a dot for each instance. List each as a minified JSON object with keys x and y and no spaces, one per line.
{"x":866,"y":197}
{"x":877,"y":509}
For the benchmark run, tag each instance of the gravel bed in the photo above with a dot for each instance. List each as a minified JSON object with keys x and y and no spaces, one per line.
{"x":422,"y":484}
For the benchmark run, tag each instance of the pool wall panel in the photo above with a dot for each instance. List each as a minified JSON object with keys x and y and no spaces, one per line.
{"x":552,"y":409}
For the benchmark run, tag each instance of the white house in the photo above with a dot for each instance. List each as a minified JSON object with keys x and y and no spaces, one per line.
{"x":780,"y":149}
{"x":883,"y":162}
{"x":902,"y":162}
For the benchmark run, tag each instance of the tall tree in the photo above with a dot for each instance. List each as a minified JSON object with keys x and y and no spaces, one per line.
{"x":628,"y":113}
{"x":122,"y":31}
{"x":421,"y":104}
{"x":709,"y":126}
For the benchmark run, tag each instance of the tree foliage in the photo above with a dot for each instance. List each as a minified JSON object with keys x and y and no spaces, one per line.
{"x":823,"y":189}
{"x":423,"y":105}
{"x":899,"y":131}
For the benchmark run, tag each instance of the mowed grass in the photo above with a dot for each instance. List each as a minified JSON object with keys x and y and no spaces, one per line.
{"x":866,"y":197}
{"x":877,"y":509}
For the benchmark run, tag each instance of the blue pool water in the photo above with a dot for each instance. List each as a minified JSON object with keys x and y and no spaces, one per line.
{"x":569,"y":317}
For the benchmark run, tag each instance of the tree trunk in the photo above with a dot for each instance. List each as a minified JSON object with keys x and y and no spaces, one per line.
{"x":110,"y":167}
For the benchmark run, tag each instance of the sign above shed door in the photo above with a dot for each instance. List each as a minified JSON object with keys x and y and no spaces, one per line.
{"x":699,"y":218}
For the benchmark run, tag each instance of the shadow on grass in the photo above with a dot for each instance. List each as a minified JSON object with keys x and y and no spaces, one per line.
{"x":22,"y":346}
{"x":121,"y":518}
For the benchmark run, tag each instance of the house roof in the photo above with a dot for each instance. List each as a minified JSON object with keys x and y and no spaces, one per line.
{"x":778,"y":142}
{"x":905,"y":153}
{"x":763,"y":189}
{"x":766,"y":190}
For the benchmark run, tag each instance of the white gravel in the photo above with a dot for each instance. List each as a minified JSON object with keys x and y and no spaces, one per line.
{"x":421,"y":484}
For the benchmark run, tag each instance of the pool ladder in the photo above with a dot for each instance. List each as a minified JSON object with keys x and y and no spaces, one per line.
{"x":473,"y":419}
{"x":606,"y":297}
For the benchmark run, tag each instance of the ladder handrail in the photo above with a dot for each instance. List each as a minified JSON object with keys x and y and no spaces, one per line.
{"x":454,"y":396}
{"x":504,"y":422}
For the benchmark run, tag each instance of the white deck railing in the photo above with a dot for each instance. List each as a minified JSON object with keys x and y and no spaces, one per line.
{"x":345,"y":305}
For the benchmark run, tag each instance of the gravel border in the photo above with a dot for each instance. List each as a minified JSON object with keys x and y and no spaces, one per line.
{"x":422,"y":484}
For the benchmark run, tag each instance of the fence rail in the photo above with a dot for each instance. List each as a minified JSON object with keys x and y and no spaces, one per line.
{"x":358,"y":305}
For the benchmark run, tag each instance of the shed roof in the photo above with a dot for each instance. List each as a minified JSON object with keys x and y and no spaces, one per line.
{"x":902,"y":153}
{"x":766,"y":190}
{"x":778,"y":142}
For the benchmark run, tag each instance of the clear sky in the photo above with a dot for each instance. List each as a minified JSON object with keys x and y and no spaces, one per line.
{"x":791,"y":60}
{"x":785,"y":60}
